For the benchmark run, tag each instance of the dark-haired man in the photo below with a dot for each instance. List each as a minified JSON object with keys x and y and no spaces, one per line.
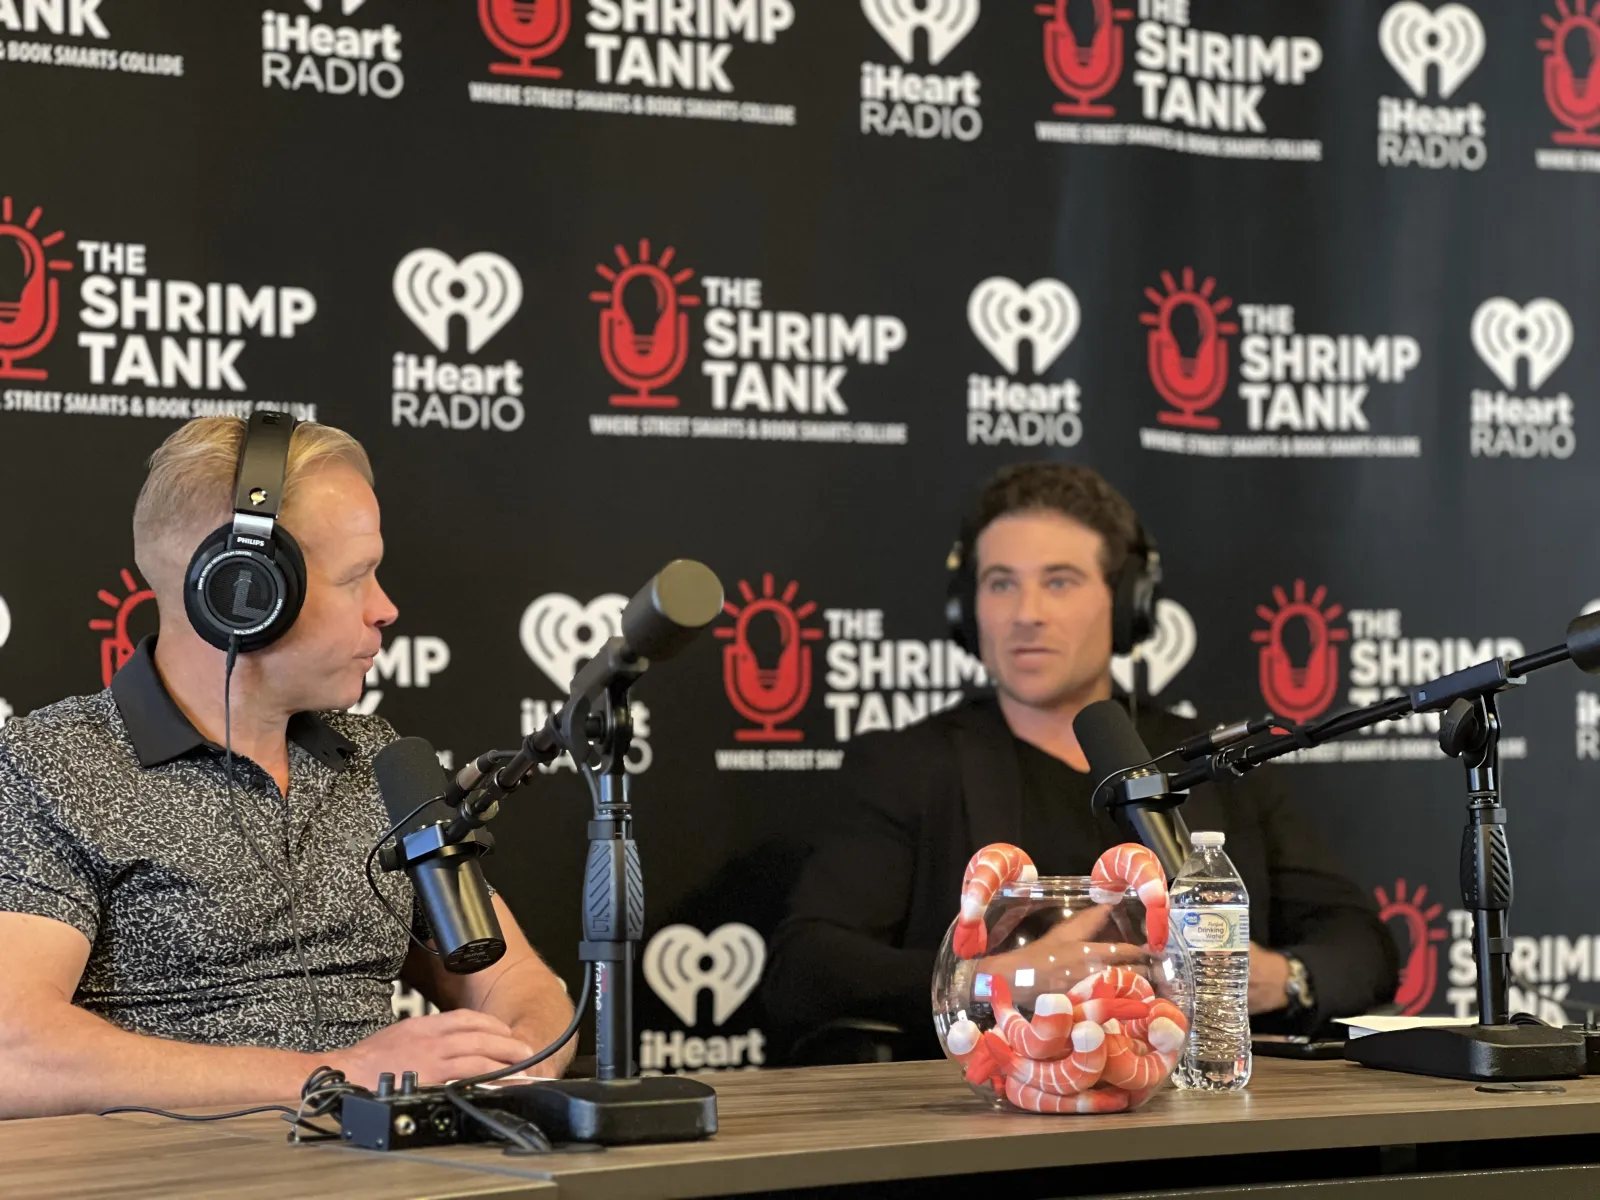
{"x":1050,"y":544}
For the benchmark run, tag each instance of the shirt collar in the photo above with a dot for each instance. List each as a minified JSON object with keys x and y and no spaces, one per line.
{"x":160,"y":732}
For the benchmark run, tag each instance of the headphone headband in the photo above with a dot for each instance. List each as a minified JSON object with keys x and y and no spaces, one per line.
{"x":246,"y":581}
{"x":263,"y":463}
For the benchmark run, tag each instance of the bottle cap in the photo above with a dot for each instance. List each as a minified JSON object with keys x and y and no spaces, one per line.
{"x":1207,"y":839}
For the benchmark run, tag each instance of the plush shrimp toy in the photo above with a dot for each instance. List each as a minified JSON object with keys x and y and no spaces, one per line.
{"x":1103,"y":1045}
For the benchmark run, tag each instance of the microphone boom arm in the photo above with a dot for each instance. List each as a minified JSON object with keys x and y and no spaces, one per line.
{"x":1500,"y":1046}
{"x":1436,"y":695}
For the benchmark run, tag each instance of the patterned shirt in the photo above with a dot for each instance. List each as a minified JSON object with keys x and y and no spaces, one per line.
{"x":114,"y":819}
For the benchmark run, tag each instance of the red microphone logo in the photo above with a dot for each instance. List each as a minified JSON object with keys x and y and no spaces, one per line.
{"x":1188,"y":368}
{"x":1084,"y":70}
{"x":766,"y":670}
{"x":117,"y":647}
{"x":1572,"y":89}
{"x":525,"y":30}
{"x":1420,"y":974}
{"x":644,"y":332}
{"x":1299,"y":685}
{"x":30,"y":309}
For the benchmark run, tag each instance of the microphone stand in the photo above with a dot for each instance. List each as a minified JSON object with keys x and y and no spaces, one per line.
{"x":1500,"y":1046}
{"x":617,"y":1107}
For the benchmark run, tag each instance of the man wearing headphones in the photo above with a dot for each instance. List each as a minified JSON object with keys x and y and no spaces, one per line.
{"x":1053,"y":575}
{"x":183,"y":905}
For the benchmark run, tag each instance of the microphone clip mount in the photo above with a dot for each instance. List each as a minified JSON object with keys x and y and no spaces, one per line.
{"x":1142,"y":801}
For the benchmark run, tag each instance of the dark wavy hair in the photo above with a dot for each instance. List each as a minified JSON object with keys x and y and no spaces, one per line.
{"x":1081,"y":493}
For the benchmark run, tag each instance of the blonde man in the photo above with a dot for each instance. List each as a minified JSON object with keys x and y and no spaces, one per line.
{"x":170,"y":947}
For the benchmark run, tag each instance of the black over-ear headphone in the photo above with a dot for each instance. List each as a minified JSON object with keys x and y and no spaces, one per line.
{"x":1135,"y":590}
{"x":247,"y":580}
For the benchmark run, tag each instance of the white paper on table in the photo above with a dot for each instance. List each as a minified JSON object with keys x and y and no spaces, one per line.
{"x":1361,"y":1026}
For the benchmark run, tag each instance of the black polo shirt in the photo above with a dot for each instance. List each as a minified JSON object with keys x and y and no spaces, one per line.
{"x":114,"y":820}
{"x":1063,"y":833}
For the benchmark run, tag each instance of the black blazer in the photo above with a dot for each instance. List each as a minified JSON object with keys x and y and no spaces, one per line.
{"x":883,"y":883}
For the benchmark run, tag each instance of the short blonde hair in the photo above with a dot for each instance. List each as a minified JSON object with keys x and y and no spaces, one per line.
{"x":189,"y":491}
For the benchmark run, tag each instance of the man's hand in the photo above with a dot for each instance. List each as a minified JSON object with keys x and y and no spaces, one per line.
{"x":439,"y":1048}
{"x":518,"y":991}
{"x":1269,"y":979}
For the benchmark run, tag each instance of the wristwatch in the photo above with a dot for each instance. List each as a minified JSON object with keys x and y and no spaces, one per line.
{"x":1298,"y":987}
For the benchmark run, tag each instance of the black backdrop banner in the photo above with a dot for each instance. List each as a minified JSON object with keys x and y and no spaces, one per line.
{"x":774,"y":284}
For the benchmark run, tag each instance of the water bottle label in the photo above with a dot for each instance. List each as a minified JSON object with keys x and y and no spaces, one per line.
{"x":1221,"y":929}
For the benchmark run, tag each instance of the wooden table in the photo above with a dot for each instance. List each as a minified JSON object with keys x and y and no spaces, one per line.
{"x":84,"y":1158}
{"x":859,"y":1128}
{"x":833,"y":1127}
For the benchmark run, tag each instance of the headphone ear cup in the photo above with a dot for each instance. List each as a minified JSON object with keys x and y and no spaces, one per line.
{"x":201,"y":617}
{"x":292,"y":563}
{"x":1144,"y":609}
{"x":1125,"y":622}
{"x":963,"y":624}
{"x":1133,"y":615}
{"x":961,"y":593}
{"x":274,"y":578}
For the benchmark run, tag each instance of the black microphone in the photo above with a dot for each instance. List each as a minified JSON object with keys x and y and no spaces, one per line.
{"x":670,"y":610}
{"x":445,"y":872}
{"x":1137,"y":795}
{"x":662,"y":618}
{"x":1223,"y":736}
{"x":681,"y":599}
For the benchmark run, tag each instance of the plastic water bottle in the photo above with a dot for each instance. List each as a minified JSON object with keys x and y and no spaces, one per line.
{"x":1211,"y":920}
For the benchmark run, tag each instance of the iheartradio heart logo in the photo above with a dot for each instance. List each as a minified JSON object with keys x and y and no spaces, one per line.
{"x":1539,"y":331}
{"x":946,"y":22}
{"x":1166,"y":652}
{"x":483,"y":289}
{"x":559,"y":633}
{"x":680,"y":962}
{"x":345,"y":6}
{"x":1449,"y":38}
{"x":1003,"y":314}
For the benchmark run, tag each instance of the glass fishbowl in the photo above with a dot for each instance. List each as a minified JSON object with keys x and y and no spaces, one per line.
{"x":1066,"y":1009}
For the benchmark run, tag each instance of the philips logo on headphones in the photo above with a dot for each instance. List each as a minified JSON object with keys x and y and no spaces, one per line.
{"x":1010,"y":409}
